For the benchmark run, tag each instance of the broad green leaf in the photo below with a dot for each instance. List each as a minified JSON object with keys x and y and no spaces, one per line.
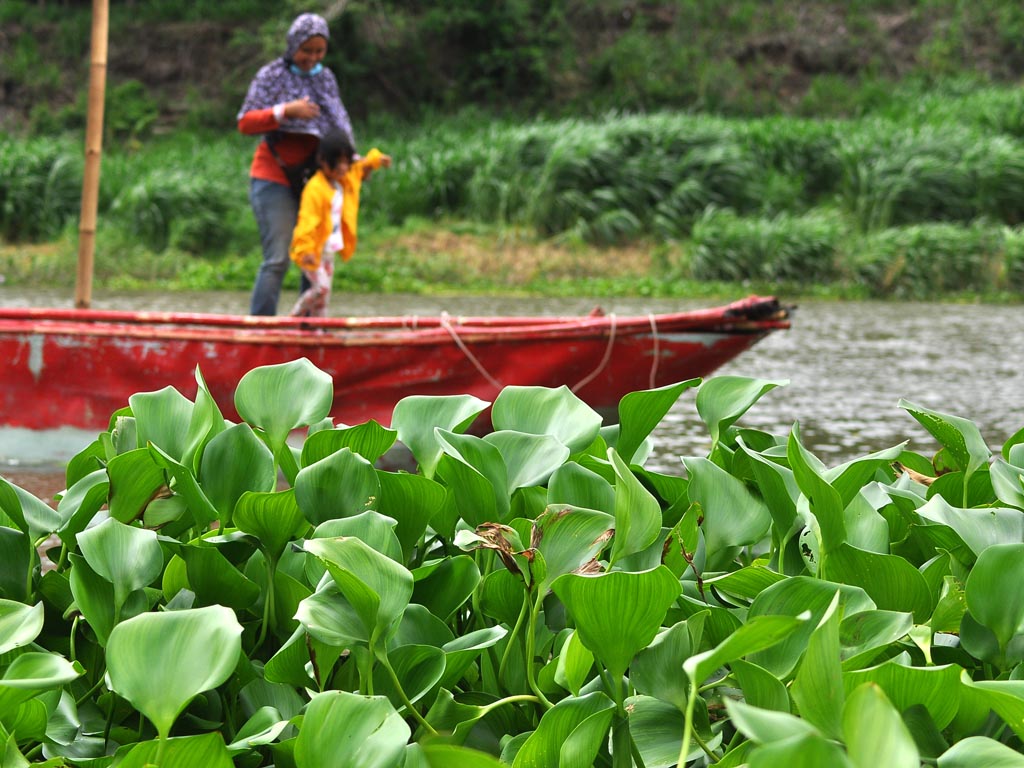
{"x":547,"y":411}
{"x":280,"y":398}
{"x":416,"y":416}
{"x":572,"y":484}
{"x":976,"y":751}
{"x":94,"y":597}
{"x":372,"y":528}
{"x":959,"y":436}
{"x":369,"y":440}
{"x":640,"y":412}
{"x":569,"y":734}
{"x":265,"y":725}
{"x":791,"y":598}
{"x":207,"y":750}
{"x":30,"y":514}
{"x":477,"y":500}
{"x":637,"y":512}
{"x":746,"y":583}
{"x":235,"y":462}
{"x":993,"y":592}
{"x":501,"y":596}
{"x":273,"y":518}
{"x":484,"y":459}
{"x":1004,"y":697}
{"x":32,"y":673}
{"x":757,"y":634}
{"x":865,"y":634}
{"x":733,"y":516}
{"x":889,"y":580}
{"x":446,"y":588}
{"x":462,"y":651}
{"x":411,"y":500}
{"x":206,"y":422}
{"x":818,"y":687}
{"x":765,"y":726}
{"x":978,"y":528}
{"x":452,"y":756}
{"x":341,"y":485}
{"x":575,"y":661}
{"x":656,"y":728}
{"x":20,"y":624}
{"x":345,"y":730}
{"x":198,"y":650}
{"x":135,"y":478}
{"x":186,"y":484}
{"x":721,"y":400}
{"x":529,"y":459}
{"x":569,"y":539}
{"x":657,"y":670}
{"x":778,"y":489}
{"x":162,"y":418}
{"x":807,"y":751}
{"x":617,"y":614}
{"x":418,"y":669}
{"x":760,"y":687}
{"x":215,"y":580}
{"x":825,"y":502}
{"x":129,"y":558}
{"x":79,"y":505}
{"x":937,"y":689}
{"x":16,"y":557}
{"x":329,"y":617}
{"x":377,"y":587}
{"x":1008,"y":482}
{"x":875,"y":733}
{"x":849,"y":478}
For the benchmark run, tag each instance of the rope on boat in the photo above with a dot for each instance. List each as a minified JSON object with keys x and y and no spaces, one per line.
{"x":656,"y":350}
{"x":604,"y":361}
{"x":446,"y":324}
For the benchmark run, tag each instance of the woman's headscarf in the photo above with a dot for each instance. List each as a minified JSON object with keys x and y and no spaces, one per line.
{"x":277,"y":82}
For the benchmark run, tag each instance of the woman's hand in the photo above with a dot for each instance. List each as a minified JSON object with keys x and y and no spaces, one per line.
{"x":301,"y":109}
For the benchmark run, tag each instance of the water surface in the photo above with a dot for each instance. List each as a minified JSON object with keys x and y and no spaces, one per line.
{"x":847,"y":365}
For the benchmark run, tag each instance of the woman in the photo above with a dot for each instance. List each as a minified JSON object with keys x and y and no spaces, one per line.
{"x":292,"y":101}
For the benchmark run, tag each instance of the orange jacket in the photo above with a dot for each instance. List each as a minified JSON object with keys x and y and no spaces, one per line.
{"x":314,"y":224}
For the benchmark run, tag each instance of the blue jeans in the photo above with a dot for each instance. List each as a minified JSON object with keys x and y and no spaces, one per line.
{"x":275,"y":209}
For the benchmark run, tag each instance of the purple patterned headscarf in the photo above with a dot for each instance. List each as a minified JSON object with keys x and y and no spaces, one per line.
{"x":276,"y":83}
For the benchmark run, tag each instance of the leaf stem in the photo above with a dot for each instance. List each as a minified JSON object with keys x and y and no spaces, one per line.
{"x":511,"y":640}
{"x":268,"y":602}
{"x":531,"y":679}
{"x":684,"y":749}
{"x":402,"y":695}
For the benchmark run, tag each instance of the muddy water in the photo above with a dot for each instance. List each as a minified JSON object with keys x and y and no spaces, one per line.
{"x":847,"y":366}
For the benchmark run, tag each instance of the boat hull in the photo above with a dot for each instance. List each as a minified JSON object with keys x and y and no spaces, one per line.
{"x":63,"y":368}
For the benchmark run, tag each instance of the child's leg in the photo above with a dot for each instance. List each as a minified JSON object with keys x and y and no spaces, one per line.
{"x":306,"y":304}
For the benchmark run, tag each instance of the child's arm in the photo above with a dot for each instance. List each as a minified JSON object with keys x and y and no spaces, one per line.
{"x":374,"y":159}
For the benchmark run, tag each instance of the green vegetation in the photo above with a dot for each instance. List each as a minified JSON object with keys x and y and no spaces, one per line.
{"x":926,"y":202}
{"x":535,"y":596}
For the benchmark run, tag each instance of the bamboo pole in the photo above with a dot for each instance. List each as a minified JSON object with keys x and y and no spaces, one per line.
{"x":93,"y":153}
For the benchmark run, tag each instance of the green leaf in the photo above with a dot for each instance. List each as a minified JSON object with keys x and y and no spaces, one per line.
{"x":959,"y":436}
{"x":280,"y":398}
{"x":162,"y":418}
{"x":20,"y":624}
{"x":935,"y":688}
{"x":807,"y":751}
{"x":733,"y":516}
{"x":79,"y":505}
{"x":30,"y":514}
{"x":569,"y":539}
{"x":207,"y":750}
{"x":760,"y":687}
{"x":129,"y":558}
{"x":207,"y":421}
{"x":640,"y":412}
{"x":376,"y":586}
{"x":765,"y":726}
{"x":825,"y":502}
{"x":235,"y":462}
{"x":32,"y":673}
{"x":656,"y":670}
{"x":818,"y":688}
{"x":979,"y":529}
{"x":451,"y":756}
{"x":573,"y":485}
{"x":474,"y":458}
{"x":575,"y":661}
{"x":617,"y":614}
{"x":446,"y":588}
{"x":369,"y":440}
{"x":273,"y":518}
{"x":892,"y":582}
{"x":418,"y":669}
{"x":569,"y":734}
{"x":412,"y":501}
{"x":547,"y":411}
{"x":721,"y":400}
{"x":215,"y":580}
{"x":637,"y":512}
{"x":198,"y":650}
{"x":980,"y":750}
{"x":343,"y":729}
{"x":415,"y":418}
{"x":993,"y":591}
{"x":757,"y":634}
{"x":135,"y":478}
{"x":875,"y":733}
{"x":341,"y":485}
{"x":529,"y":459}
{"x":331,"y":619}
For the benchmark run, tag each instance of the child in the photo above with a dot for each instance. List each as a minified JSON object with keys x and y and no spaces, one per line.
{"x":328,"y":215}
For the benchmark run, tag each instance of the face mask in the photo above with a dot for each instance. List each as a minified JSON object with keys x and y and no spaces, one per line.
{"x":316,"y":70}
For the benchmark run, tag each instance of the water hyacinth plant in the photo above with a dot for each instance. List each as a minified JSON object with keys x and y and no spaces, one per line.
{"x":213,"y":594}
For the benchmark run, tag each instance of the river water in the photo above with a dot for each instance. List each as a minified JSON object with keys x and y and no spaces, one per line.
{"x":847,"y":365}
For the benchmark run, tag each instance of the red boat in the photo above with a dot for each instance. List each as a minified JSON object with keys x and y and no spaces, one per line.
{"x":76,"y":367}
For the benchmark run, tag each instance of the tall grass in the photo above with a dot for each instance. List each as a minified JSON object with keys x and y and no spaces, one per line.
{"x":784,"y":199}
